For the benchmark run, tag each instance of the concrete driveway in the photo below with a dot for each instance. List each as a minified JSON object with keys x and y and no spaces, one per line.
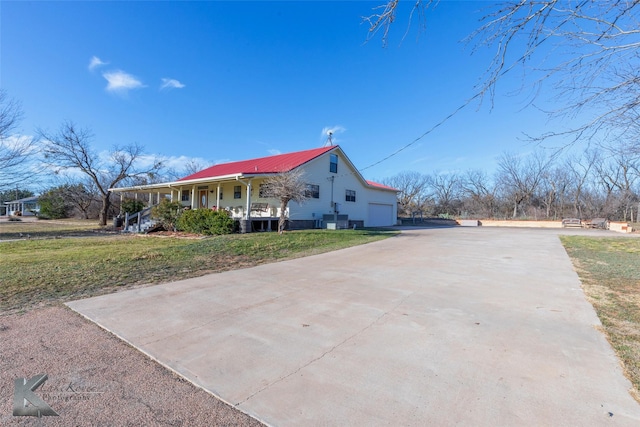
{"x":455,"y":326}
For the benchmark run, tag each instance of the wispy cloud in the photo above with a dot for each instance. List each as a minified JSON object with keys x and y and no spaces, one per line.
{"x":174,"y":162}
{"x":420,"y":160}
{"x":274,"y":152}
{"x":331,"y":132}
{"x":121,"y":82}
{"x":96,"y":62}
{"x":171,"y":84}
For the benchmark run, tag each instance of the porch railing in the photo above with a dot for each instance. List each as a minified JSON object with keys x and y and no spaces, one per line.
{"x":137,"y":218}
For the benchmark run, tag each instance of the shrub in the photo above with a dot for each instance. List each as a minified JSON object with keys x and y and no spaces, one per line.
{"x":167,"y":214}
{"x":53,"y":204}
{"x":205,"y":221}
{"x":132,"y":206}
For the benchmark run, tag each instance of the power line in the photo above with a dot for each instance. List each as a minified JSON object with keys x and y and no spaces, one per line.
{"x":434,"y":127}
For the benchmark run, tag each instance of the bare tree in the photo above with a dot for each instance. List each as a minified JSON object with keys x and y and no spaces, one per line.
{"x":70,"y":149}
{"x":480,"y":191}
{"x":82,"y":197}
{"x":620,"y":175}
{"x":446,"y":190}
{"x":588,"y":52}
{"x":579,"y":168}
{"x":520,"y":176}
{"x":15,"y":150}
{"x":286,"y":187}
{"x":413,"y":189}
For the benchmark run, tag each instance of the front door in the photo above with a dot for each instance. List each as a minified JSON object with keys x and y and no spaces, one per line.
{"x":202,"y":199}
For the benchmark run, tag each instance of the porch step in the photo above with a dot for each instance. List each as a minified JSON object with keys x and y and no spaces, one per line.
{"x":144,"y":226}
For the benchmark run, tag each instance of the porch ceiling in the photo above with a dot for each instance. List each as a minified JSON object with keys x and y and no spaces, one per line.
{"x":167,"y":187}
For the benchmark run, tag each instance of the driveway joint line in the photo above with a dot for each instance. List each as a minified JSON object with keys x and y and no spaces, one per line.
{"x":376,"y":320}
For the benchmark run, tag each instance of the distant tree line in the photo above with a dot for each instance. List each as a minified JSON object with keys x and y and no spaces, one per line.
{"x":599,"y":182}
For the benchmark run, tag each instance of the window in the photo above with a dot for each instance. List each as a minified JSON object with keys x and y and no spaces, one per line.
{"x":312,"y":191}
{"x":333,"y":163}
{"x":220,"y":193}
{"x":185,"y":196}
{"x":237,"y":192}
{"x":350,"y":196}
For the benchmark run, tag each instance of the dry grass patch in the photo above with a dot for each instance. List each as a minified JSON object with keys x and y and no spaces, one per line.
{"x":609,"y":269}
{"x":37,"y":229}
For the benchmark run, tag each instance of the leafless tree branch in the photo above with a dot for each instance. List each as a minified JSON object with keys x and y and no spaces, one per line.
{"x":70,"y":149}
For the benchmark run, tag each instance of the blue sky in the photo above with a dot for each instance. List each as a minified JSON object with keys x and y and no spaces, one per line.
{"x":225,"y":81}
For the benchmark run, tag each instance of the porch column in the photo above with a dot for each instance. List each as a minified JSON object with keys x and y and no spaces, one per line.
{"x":150,"y":199}
{"x":158,"y":197}
{"x":121,"y":200}
{"x":193,"y":196}
{"x":218,"y":198}
{"x":248,"y":201}
{"x":246,"y":227}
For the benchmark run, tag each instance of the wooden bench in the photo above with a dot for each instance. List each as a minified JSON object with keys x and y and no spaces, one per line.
{"x":259,"y":207}
{"x":571,"y":222}
{"x":596,"y":223}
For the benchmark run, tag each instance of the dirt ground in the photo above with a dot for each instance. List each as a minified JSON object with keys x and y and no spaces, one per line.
{"x":95,"y":379}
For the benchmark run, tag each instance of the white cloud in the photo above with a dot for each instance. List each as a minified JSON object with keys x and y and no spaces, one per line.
{"x":171,"y":84}
{"x":331,"y":131}
{"x":17,"y":144}
{"x":274,"y":152}
{"x":173,"y":162}
{"x":95,"y":63}
{"x":221,"y":161}
{"x":121,"y":82}
{"x":421,"y":160}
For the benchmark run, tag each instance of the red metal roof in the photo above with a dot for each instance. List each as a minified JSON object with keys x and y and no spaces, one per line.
{"x":377,"y":184}
{"x":271,"y":164}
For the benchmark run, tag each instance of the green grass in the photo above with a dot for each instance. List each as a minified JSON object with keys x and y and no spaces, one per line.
{"x":33,"y":272}
{"x":35,"y":229}
{"x":609,"y":269}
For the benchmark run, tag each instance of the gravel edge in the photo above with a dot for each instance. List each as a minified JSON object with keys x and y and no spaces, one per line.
{"x":94,"y":378}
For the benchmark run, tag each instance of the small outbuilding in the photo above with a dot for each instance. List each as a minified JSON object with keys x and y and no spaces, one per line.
{"x":28,"y":206}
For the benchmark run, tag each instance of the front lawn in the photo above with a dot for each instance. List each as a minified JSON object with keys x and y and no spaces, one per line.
{"x":609,"y":269}
{"x":31,"y":228}
{"x":36,"y":272}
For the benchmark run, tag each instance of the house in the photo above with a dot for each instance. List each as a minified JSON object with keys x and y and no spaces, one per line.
{"x":26,"y":207}
{"x":338,"y":195}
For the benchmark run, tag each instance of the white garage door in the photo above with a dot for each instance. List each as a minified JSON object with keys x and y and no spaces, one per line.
{"x":380,"y":215}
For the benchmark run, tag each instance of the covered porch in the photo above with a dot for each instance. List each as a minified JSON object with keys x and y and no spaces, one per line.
{"x":240,"y":196}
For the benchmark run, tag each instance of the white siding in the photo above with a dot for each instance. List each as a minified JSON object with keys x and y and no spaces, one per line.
{"x":317,"y":172}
